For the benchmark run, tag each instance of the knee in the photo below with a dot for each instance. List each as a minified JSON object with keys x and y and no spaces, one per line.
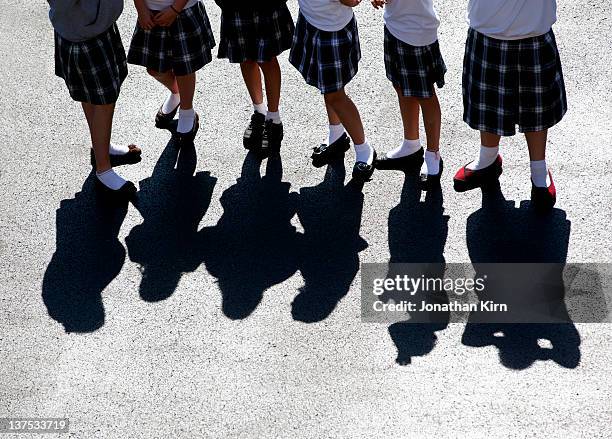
{"x":154,"y":73}
{"x":335,"y":98}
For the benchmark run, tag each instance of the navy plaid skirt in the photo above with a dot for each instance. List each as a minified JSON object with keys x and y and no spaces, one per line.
{"x":255,"y":35}
{"x":94,"y":69}
{"x":185,"y":47}
{"x":326,"y":60}
{"x":414,"y":69}
{"x":510,"y":83}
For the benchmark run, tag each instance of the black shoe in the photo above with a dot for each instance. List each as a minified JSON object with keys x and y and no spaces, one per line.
{"x":253,"y":135}
{"x":133,"y":156}
{"x":164,"y":121}
{"x":362,"y":172}
{"x":543,"y":199}
{"x":124,"y":193}
{"x":272,"y":138}
{"x":325,"y":154}
{"x":406,"y":163}
{"x":189,"y":137}
{"x":429,"y":182}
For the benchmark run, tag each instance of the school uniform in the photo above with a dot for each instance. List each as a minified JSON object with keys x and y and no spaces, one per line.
{"x":254,"y":32}
{"x":89,"y":54}
{"x":184,"y":47}
{"x":413,"y":61}
{"x":512,"y":71}
{"x":325,"y":48}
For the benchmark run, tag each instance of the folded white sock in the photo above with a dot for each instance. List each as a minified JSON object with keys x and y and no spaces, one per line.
{"x":115,"y":149}
{"x":539,"y":173}
{"x":171,"y":102}
{"x":186,"y":120}
{"x":405,"y":149}
{"x":487,"y":157}
{"x":260,"y":108}
{"x":274,"y":116}
{"x":111,"y":179}
{"x":431,"y":164}
{"x":335,"y":132}
{"x":364,"y":153}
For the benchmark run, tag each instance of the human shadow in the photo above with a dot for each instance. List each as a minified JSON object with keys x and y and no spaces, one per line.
{"x":254,"y":245}
{"x":172,"y":203}
{"x":418,"y":231}
{"x":87,"y":258}
{"x":500,"y":233}
{"x":330,"y":214}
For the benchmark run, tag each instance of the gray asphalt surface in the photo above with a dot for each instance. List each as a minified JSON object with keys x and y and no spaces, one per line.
{"x":190,"y":314}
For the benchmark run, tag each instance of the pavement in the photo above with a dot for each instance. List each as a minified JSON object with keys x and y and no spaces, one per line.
{"x":225,"y":302}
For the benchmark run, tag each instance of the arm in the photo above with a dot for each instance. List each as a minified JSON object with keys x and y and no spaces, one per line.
{"x":350,"y":3}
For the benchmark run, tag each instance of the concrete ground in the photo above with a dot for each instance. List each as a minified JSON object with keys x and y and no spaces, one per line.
{"x":226,"y":304}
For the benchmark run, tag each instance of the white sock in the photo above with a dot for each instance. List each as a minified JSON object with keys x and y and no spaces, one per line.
{"x":171,"y":103}
{"x":111,"y":179}
{"x":431,"y":164}
{"x":274,"y":116}
{"x":364,"y":153}
{"x":487,"y":157}
{"x":539,"y":173}
{"x":186,"y":120}
{"x":335,"y":132}
{"x":406,"y":148}
{"x":115,"y":149}
{"x":260,"y":108}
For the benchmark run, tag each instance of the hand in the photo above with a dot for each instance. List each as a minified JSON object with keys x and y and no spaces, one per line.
{"x":145,"y":19}
{"x":378,"y":4}
{"x":350,"y":3}
{"x":165,"y":18}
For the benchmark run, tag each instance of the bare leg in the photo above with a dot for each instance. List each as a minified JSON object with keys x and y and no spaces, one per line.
{"x":272,"y":76}
{"x":332,"y":117}
{"x":536,"y":141}
{"x":346,"y":112}
{"x":167,"y":79}
{"x":432,"y":119}
{"x":186,"y":87}
{"x":489,"y":140}
{"x":101,"y":126}
{"x":252,"y":80}
{"x":409,"y":109}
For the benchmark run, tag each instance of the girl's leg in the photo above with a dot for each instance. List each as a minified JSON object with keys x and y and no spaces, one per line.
{"x":536,"y":142}
{"x":100,"y":128}
{"x":272,"y":76}
{"x":186,"y":85}
{"x":169,"y":81}
{"x":489,"y":149}
{"x":409,"y":109}
{"x":432,"y":119}
{"x":345,"y":112}
{"x":252,"y":79}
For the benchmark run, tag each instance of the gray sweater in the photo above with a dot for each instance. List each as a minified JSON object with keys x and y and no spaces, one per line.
{"x":82,"y":20}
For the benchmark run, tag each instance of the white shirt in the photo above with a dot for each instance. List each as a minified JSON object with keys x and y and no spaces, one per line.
{"x":414,"y":22}
{"x":512,"y":19}
{"x":160,"y":5}
{"x":326,"y":15}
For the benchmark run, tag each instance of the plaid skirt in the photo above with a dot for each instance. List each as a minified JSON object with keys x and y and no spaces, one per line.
{"x":326,"y":60}
{"x":510,"y":83}
{"x":414,"y":69}
{"x":255,"y":35}
{"x":94,"y":69}
{"x":184,"y":47}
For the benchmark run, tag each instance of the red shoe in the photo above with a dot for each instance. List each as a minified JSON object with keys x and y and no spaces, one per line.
{"x":467,"y":179}
{"x":543,"y":199}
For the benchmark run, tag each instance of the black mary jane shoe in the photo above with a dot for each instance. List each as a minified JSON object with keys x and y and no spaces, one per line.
{"x":253,"y":135}
{"x":406,"y":163}
{"x":123,"y":194}
{"x":363,"y":172}
{"x":163,"y":121}
{"x":272,"y":139}
{"x":133,"y":156}
{"x":189,"y":137}
{"x":324,"y":154}
{"x":430,"y":182}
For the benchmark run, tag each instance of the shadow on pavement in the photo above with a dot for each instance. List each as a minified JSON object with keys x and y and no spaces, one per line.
{"x":499,"y":232}
{"x":330,"y":214}
{"x":253,"y":246}
{"x":417,"y":235}
{"x":87,"y":258}
{"x":172,"y":203}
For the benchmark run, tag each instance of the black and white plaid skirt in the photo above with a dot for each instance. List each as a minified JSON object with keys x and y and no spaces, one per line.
{"x":255,"y":35}
{"x":93,"y":70}
{"x":510,"y":83}
{"x":184,"y":47}
{"x":326,"y":60}
{"x":414,"y":69}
